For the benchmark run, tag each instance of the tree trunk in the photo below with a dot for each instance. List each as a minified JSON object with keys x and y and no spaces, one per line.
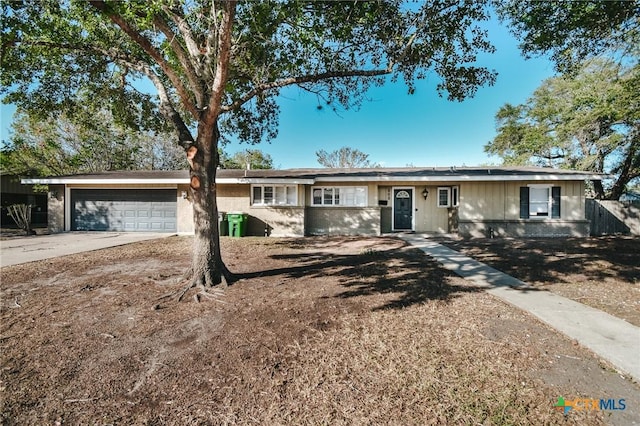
{"x":598,"y":189}
{"x":207,"y":266}
{"x":625,"y":172}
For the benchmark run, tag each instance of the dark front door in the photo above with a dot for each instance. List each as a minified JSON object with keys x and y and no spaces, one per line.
{"x":402,"y":209}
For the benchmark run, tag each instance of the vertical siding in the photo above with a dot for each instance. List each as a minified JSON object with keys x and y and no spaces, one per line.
{"x":433,"y":218}
{"x":572,"y":200}
{"x":501,"y":200}
{"x":483,"y":200}
{"x":428,"y":217}
{"x":512,"y":200}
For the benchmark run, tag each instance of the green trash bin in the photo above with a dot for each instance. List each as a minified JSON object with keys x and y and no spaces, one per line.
{"x":237,"y":224}
{"x":223,"y":224}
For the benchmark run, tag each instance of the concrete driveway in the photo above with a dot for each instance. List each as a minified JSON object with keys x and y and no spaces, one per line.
{"x":28,"y":249}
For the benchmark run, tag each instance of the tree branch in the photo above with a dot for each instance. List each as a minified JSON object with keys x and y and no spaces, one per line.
{"x":146,"y":45}
{"x":311,"y":78}
{"x":185,"y":138}
{"x":223,"y":60}
{"x":189,"y":69}
{"x":211,"y":38}
{"x":166,"y":106}
{"x":185,"y":30}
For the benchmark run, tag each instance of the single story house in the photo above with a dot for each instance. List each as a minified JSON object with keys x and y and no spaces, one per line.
{"x":471,"y":201}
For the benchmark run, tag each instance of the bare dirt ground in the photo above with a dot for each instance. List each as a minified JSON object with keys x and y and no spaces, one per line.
{"x":601,"y":272}
{"x":316,"y":331}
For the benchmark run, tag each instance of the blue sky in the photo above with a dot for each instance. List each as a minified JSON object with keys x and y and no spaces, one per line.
{"x":397,"y":129}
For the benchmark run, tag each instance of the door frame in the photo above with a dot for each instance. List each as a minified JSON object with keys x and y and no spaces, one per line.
{"x":413,"y":207}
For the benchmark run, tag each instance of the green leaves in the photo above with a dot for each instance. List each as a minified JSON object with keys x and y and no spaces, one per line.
{"x":587,"y":122}
{"x":90,"y":141}
{"x":53,"y":50}
{"x":344,"y":157}
{"x":572,"y":31}
{"x":249,"y":158}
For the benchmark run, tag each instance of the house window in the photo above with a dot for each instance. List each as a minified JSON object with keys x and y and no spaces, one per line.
{"x":274,"y":195}
{"x":448,"y":196}
{"x":455,"y":196}
{"x":444,"y":197}
{"x":539,"y":201}
{"x":352,"y":196}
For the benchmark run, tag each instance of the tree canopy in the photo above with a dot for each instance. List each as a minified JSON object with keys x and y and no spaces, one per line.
{"x":590,"y":121}
{"x":344,"y":157}
{"x":85,"y":143}
{"x":217,"y":67}
{"x":573,"y":31}
{"x":249,"y":158}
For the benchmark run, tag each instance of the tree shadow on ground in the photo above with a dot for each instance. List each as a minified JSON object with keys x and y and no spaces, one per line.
{"x":403,"y":276}
{"x":558,"y":260}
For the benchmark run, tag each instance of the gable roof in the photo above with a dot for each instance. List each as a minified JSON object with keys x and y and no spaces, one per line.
{"x":318,"y":175}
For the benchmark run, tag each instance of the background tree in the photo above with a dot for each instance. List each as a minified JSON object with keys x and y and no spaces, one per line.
{"x":84,"y":143}
{"x":573,"y":31}
{"x":344,"y":157}
{"x":587,"y":122}
{"x":217,"y":67}
{"x":252,"y":158}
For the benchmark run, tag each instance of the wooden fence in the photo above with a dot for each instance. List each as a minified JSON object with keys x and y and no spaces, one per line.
{"x":613,"y":217}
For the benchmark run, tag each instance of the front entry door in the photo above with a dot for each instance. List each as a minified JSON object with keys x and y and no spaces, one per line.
{"x":403,"y":209}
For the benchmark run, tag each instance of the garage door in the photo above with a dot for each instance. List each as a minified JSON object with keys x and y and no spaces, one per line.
{"x":151,"y":210}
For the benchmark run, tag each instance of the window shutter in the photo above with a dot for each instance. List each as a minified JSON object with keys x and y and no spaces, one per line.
{"x":555,"y":202}
{"x":524,"y":202}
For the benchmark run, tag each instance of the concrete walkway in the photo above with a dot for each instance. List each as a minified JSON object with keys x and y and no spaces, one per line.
{"x":29,"y":249}
{"x":613,"y":339}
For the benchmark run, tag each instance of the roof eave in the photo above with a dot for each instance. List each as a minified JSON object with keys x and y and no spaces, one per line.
{"x":102,"y":181}
{"x":289,"y":181}
{"x":182,"y":181}
{"x":467,"y":178}
{"x":317,"y":179}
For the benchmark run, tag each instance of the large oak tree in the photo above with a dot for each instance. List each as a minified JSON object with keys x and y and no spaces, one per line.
{"x":218,"y":66}
{"x":589,"y":121}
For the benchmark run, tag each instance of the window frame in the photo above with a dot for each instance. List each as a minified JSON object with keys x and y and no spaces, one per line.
{"x":274,"y":195}
{"x":448,"y":191}
{"x":554,"y":201}
{"x":336,"y":195}
{"x":455,"y":196}
{"x":533,"y":213}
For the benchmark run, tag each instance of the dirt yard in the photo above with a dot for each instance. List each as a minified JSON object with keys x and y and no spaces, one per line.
{"x":600,"y":272}
{"x":316,"y":331}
